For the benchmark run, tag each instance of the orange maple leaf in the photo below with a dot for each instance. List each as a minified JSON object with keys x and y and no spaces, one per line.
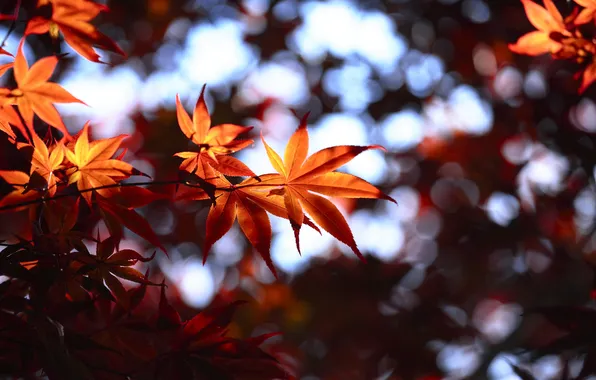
{"x":94,"y":166}
{"x":8,"y":117}
{"x":239,"y":202}
{"x":45,"y":161}
{"x":588,"y":77}
{"x":580,"y":50}
{"x":5,"y":66}
{"x":7,"y":114}
{"x":5,"y":127}
{"x":20,"y":181}
{"x":300,"y":178}
{"x":587,"y":14}
{"x":72,"y":17}
{"x":288,"y":194}
{"x":231,"y":204}
{"x":34,"y":94}
{"x":549,"y":22}
{"x":214,"y":143}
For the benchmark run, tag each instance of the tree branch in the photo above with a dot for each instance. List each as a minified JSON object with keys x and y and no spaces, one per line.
{"x":79,"y":192}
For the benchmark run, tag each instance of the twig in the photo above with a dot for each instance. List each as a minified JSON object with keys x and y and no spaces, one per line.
{"x":126,"y":184}
{"x":10,"y":30}
{"x":12,"y":24}
{"x":78,"y":192}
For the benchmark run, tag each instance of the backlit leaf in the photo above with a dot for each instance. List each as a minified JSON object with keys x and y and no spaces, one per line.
{"x":72,"y":18}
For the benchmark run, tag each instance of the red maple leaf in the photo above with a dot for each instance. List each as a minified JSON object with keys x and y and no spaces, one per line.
{"x":72,"y":18}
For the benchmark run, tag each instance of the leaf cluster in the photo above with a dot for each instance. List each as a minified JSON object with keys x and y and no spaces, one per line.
{"x":75,"y":305}
{"x":562,"y":38}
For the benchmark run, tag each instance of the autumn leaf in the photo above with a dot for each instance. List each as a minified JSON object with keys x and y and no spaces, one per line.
{"x":214,"y":143}
{"x":5,"y":127}
{"x":201,"y":346}
{"x":34,"y":94}
{"x":234,"y":203}
{"x":8,"y":117}
{"x":588,"y":77}
{"x":118,"y":211}
{"x":548,"y":21}
{"x":61,"y":215}
{"x":135,"y":297}
{"x":301,"y":178}
{"x":19,"y":180}
{"x":5,"y":66}
{"x":166,"y":317}
{"x":240,"y":202}
{"x":72,"y":18}
{"x":94,"y":166}
{"x":587,"y":14}
{"x":116,"y":216}
{"x":289,"y":194}
{"x":136,"y":196}
{"x":106,"y":266}
{"x":206,"y":327}
{"x":45,"y":161}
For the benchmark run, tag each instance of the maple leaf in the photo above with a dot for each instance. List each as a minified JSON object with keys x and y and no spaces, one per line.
{"x":233,"y":204}
{"x":587,"y":14}
{"x":107,"y":266}
{"x":94,"y":165}
{"x":118,"y":211}
{"x":34,"y":94}
{"x":45,"y":161}
{"x":588,"y":77}
{"x":8,"y":117}
{"x":200,"y":348}
{"x":239,"y":202}
{"x":135,"y":297}
{"x":287,"y":194}
{"x":135,"y":196}
{"x":300,"y":178}
{"x":549,"y":22}
{"x":214,"y":143}
{"x":166,"y":317}
{"x":61,"y":215}
{"x":72,"y":17}
{"x":5,"y":66}
{"x":19,"y":180}
{"x":7,"y":114}
{"x":116,"y":216}
{"x":5,"y":127}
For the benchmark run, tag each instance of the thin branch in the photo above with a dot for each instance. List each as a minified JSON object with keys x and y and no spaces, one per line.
{"x":12,"y":24}
{"x":126,"y":184}
{"x":10,"y":30}
{"x":78,"y":192}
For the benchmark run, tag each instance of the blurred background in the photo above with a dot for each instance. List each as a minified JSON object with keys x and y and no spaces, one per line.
{"x":490,"y":158}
